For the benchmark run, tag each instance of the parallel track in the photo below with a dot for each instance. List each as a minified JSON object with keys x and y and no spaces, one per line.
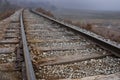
{"x":57,"y":47}
{"x":45,"y":48}
{"x":15,"y":61}
{"x":106,"y":45}
{"x":10,"y":56}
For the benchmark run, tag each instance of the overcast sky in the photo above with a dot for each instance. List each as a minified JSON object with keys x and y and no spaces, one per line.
{"x":113,"y":5}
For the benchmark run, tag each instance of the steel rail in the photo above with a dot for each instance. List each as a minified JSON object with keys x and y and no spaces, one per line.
{"x":28,"y":64}
{"x":104,"y":44}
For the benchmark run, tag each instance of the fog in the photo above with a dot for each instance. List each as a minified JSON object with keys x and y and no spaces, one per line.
{"x":112,"y":5}
{"x":108,"y":5}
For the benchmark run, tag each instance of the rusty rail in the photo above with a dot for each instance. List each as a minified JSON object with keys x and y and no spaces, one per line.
{"x":28,"y":64}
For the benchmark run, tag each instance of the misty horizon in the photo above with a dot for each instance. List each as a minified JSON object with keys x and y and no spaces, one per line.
{"x":99,"y":5}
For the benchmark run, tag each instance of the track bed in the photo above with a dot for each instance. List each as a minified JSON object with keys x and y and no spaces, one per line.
{"x":60,"y":53}
{"x":9,"y":41}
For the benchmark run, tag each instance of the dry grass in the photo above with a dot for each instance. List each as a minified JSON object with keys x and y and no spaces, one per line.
{"x":103,"y":31}
{"x":87,"y":26}
{"x":68,"y":21}
{"x":6,"y":14}
{"x":107,"y":33}
{"x":48,"y":13}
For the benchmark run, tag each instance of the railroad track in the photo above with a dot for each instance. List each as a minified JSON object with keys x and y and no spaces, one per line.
{"x":15,"y":61}
{"x":44,"y":49}
{"x":9,"y":45}
{"x":59,"y":52}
